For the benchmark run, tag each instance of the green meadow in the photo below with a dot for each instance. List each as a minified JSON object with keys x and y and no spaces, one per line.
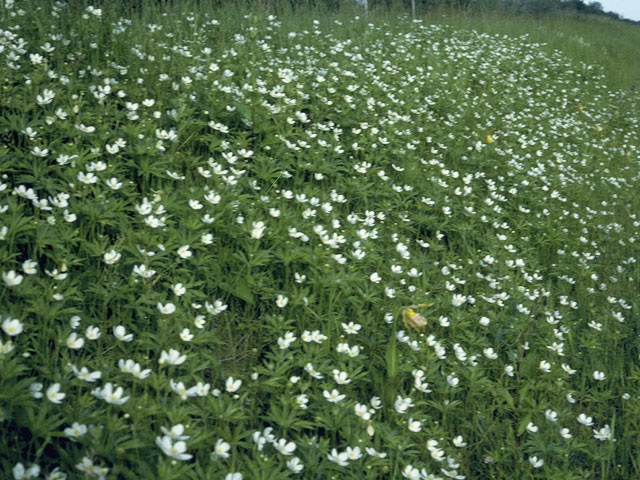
{"x":268,"y":243}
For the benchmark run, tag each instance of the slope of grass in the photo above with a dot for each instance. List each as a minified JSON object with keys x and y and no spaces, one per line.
{"x":590,"y":39}
{"x":352,"y":248}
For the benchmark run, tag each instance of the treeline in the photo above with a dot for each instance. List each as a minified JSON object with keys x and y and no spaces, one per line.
{"x":524,"y":7}
{"x":538,"y":7}
{"x":527,"y":7}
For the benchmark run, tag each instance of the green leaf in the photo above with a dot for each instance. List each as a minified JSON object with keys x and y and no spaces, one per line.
{"x":245,"y":111}
{"x":240,"y":288}
{"x":523,"y":424}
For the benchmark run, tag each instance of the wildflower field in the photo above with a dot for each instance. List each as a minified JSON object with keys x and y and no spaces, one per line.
{"x":347,"y":248}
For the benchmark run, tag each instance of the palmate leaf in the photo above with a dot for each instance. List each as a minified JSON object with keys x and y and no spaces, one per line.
{"x":245,"y":111}
{"x":239,"y":288}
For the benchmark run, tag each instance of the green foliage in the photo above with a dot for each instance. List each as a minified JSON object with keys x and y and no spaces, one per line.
{"x":211,"y":231}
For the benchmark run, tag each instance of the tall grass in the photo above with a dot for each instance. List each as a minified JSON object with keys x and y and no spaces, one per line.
{"x":586,"y":38}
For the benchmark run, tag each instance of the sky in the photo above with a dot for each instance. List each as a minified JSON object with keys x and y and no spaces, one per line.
{"x":627,"y":8}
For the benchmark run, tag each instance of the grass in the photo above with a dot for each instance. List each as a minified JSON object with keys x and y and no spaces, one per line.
{"x":589,"y":39}
{"x":315,"y":246}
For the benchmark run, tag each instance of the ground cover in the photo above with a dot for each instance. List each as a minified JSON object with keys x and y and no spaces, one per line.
{"x":360,"y":248}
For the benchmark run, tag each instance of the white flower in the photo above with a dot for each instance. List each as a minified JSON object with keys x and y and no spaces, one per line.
{"x":334,"y":396}
{"x":414,"y":273}
{"x":11,"y":278}
{"x":314,"y":336}
{"x":178,"y":289}
{"x":584,"y":420}
{"x":257,"y":230}
{"x":414,"y":425}
{"x":564,"y":433}
{"x":184,"y":252}
{"x":401,"y":405}
{"x":171,"y":358}
{"x":598,"y":375}
{"x":90,"y":468}
{"x":30,"y":267}
{"x":88,"y":178}
{"x":166,"y":309}
{"x":232,"y":385}
{"x":282,"y":301}
{"x":216,"y":308}
{"x":143,"y":271}
{"x":20,"y":473}
{"x":200,"y":321}
{"x":284,"y":447}
{"x":180,"y":389}
{"x":340,"y":458}
{"x":176,"y":432}
{"x":206,"y":238}
{"x":341,"y":378}
{"x":54,"y":394}
{"x":139,"y":373}
{"x":92,"y":332}
{"x":109,"y":395}
{"x":195,"y":204}
{"x":221,"y":450}
{"x":372,"y":451}
{"x":174,"y":450}
{"x":12,"y":327}
{"x":186,"y":335}
{"x":603,"y":434}
{"x":362,"y":411}
{"x":85,"y":374}
{"x":112,"y":257}
{"x":302,"y":400}
{"x":35,"y":390}
{"x":295,"y":465}
{"x":458,"y":300}
{"x":94,"y":11}
{"x":74,"y":321}
{"x":261,"y":438}
{"x":351,"y":328}
{"x":536,"y":462}
{"x":212,"y":197}
{"x":40,"y":152}
{"x":459,"y":441}
{"x":545,"y":366}
{"x":75,"y":430}
{"x":233,"y":476}
{"x":411,"y":473}
{"x":312,"y":371}
{"x":126,"y":366}
{"x":353,"y":453}
{"x":74,"y":342}
{"x":121,"y":334}
{"x":490,"y":353}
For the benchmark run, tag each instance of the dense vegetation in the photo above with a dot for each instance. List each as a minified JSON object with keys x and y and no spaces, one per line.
{"x":314,"y":246}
